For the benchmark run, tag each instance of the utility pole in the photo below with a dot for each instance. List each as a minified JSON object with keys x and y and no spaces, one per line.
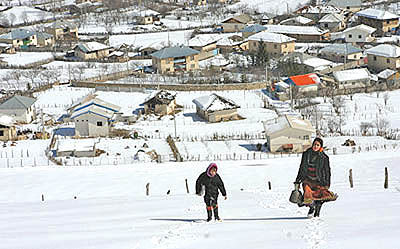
{"x":345,"y":55}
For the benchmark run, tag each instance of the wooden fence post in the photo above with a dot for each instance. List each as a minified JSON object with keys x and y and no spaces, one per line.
{"x":269,"y":185}
{"x":42,"y":197}
{"x":147,"y":188}
{"x":386,"y":185}
{"x":351,"y":178}
{"x":187,"y":186}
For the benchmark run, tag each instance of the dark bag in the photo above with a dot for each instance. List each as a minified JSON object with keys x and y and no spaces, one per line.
{"x":296,"y":196}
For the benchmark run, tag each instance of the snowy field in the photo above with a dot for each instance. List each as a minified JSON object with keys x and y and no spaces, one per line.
{"x":106,"y":207}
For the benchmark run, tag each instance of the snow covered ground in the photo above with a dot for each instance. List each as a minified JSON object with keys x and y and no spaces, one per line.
{"x":106,"y":207}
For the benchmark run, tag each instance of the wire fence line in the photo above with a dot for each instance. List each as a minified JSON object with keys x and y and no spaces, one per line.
{"x":9,"y":162}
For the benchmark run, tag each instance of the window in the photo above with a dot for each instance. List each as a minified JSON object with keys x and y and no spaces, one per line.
{"x":99,"y":123}
{"x":1,"y":133}
{"x":275,"y":46}
{"x":326,"y":25}
{"x":359,"y":36}
{"x":192,"y":58}
{"x":374,"y":58}
{"x":350,"y":36}
{"x":387,"y":60}
{"x":306,"y":137}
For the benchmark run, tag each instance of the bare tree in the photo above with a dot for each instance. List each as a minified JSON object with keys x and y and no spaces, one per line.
{"x":365,"y":127}
{"x":385,"y":98}
{"x":382,"y":126}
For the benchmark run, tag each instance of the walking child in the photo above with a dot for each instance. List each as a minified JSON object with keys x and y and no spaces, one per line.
{"x":213,"y":184}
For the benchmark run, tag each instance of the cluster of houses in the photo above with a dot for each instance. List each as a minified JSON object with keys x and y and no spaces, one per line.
{"x":342,"y":42}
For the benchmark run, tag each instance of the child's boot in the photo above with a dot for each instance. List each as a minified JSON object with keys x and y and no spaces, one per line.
{"x":209,"y":213}
{"x":216,"y":213}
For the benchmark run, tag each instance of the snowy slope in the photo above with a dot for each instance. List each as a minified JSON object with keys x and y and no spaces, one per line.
{"x":111,"y":209}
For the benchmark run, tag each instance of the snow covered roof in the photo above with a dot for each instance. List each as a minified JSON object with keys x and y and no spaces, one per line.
{"x":155,"y":45}
{"x":340,"y":49}
{"x":298,"y":19}
{"x":22,"y":14}
{"x":254,"y":28}
{"x":351,"y":74}
{"x":270,"y":37}
{"x":18,"y":102}
{"x":6,"y":120}
{"x":64,"y":145}
{"x":318,"y":63}
{"x":287,"y":121}
{"x":319,"y":9}
{"x":218,"y":61}
{"x":116,"y":53}
{"x":204,"y":39}
{"x":362,"y":27}
{"x":331,"y":18}
{"x":385,"y":50}
{"x":242,"y":18}
{"x":43,"y":35}
{"x":291,"y":29}
{"x":92,"y":109}
{"x":62,"y":24}
{"x":17,"y":34}
{"x":99,"y":103}
{"x":147,"y":12}
{"x":91,"y":46}
{"x":229,"y":41}
{"x":214,"y":102}
{"x":345,"y":3}
{"x":377,"y":14}
{"x":161,"y":97}
{"x":386,"y":73}
{"x":173,"y":52}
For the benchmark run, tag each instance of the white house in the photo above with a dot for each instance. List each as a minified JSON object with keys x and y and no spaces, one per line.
{"x":383,"y":56}
{"x":352,"y":78}
{"x":288,"y":133}
{"x":358,"y":34}
{"x":94,"y":118}
{"x":20,"y":108}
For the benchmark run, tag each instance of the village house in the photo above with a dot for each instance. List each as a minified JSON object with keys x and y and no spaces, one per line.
{"x":19,"y":38}
{"x":334,"y":22}
{"x":62,"y":29}
{"x":44,"y":39}
{"x":20,"y":108}
{"x":252,"y":29}
{"x":352,"y":78}
{"x":232,"y":43}
{"x":338,"y":52}
{"x":300,"y":33}
{"x":389,"y":76}
{"x":8,"y":131}
{"x":288,"y":133}
{"x":274,"y":44}
{"x":358,"y":34}
{"x":236,"y":23}
{"x":146,"y":50}
{"x":6,"y":48}
{"x":145,"y":17}
{"x":161,"y":103}
{"x":384,"y":56}
{"x":91,"y":51}
{"x":383,"y":21}
{"x":215,"y":108}
{"x":348,"y":5}
{"x":297,"y":21}
{"x":317,"y":12}
{"x":175,"y":59}
{"x":94,"y":118}
{"x":206,"y":44}
{"x":304,"y":83}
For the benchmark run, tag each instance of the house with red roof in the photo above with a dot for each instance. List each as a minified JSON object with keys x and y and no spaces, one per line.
{"x":304,"y":83}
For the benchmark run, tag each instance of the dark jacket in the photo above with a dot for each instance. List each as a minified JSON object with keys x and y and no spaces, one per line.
{"x":212,"y":184}
{"x":322,"y":168}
